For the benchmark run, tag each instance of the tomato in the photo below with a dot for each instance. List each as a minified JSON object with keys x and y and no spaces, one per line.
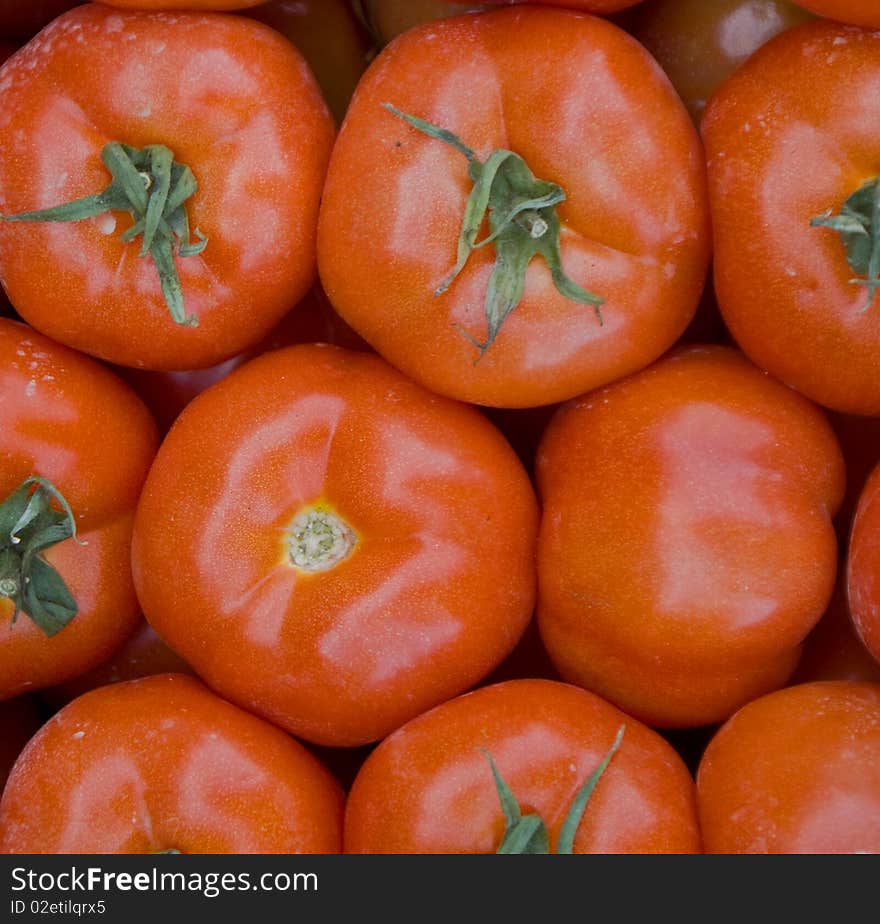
{"x":142,"y":654}
{"x":699,"y":43}
{"x":833,"y":650}
{"x":313,"y":320}
{"x":791,"y":158}
{"x":19,"y":721}
{"x":686,"y":545}
{"x":863,"y":566}
{"x":72,"y":424}
{"x":329,"y":37}
{"x":335,"y":533}
{"x":393,"y":206}
{"x":227,"y":97}
{"x":429,"y":788}
{"x":162,"y":764}
{"x":796,"y":771}
{"x":23,"y":20}
{"x":859,"y":12}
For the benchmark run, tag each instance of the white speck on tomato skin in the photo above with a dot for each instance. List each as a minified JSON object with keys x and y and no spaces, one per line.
{"x":77,"y":735}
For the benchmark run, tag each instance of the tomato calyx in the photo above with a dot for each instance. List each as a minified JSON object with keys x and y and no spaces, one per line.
{"x":528,"y":833}
{"x":318,"y":539}
{"x":523,"y":224}
{"x":29,"y":525}
{"x":858,"y":225}
{"x":153,"y":188}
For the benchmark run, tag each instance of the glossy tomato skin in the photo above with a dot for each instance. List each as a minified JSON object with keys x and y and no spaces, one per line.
{"x":19,"y":720}
{"x":428,"y":788}
{"x":394,"y":200}
{"x":858,"y":12}
{"x":686,"y":545}
{"x":162,"y":763}
{"x":67,"y":419}
{"x":236,"y":103}
{"x":435,"y":504}
{"x":785,"y":143}
{"x":330,"y":38}
{"x":863,"y":566}
{"x":142,"y":654}
{"x":699,"y":43}
{"x":156,"y":5}
{"x":795,"y":771}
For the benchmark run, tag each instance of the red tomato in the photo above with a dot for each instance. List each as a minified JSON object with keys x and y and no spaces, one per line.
{"x":329,"y":37}
{"x":22,"y":20}
{"x":162,"y":764}
{"x":686,"y":545}
{"x":833,"y":650}
{"x":335,"y":533}
{"x":796,"y":771}
{"x":312,"y":321}
{"x":19,"y":721}
{"x":632,"y":229}
{"x":143,"y":654}
{"x":231,"y":100}
{"x":429,"y":788}
{"x":699,"y":43}
{"x":66,"y":419}
{"x":791,"y":154}
{"x":860,"y":12}
{"x":863,"y":566}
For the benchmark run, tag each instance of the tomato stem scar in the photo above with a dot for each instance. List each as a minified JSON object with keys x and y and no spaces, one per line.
{"x":858,"y":225}
{"x":29,"y":525}
{"x":153,"y":188}
{"x":523,"y":223}
{"x":318,"y":539}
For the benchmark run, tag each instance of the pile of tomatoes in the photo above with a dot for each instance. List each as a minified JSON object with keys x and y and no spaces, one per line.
{"x":436,"y":426}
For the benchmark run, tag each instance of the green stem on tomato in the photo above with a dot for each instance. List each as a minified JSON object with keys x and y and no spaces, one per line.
{"x":523,"y":223}
{"x":153,"y":188}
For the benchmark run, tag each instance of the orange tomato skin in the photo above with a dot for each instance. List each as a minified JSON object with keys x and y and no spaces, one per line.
{"x":415,"y":614}
{"x":785,"y":143}
{"x":863,"y":566}
{"x":235,"y":102}
{"x":394,"y":201}
{"x":858,"y":12}
{"x":67,"y":419}
{"x":686,"y":545}
{"x":428,"y":788}
{"x":795,"y":771}
{"x":181,"y":4}
{"x":162,"y":763}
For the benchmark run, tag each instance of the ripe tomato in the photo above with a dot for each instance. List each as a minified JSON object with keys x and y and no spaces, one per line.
{"x":142,"y":654}
{"x":863,"y":566}
{"x":70,"y":421}
{"x":19,"y":721}
{"x":859,"y":12}
{"x":686,"y":545}
{"x":329,"y":37}
{"x":227,"y":97}
{"x":833,"y":650}
{"x":162,"y":764}
{"x":429,"y":788}
{"x":182,"y":4}
{"x":391,"y":217}
{"x":699,"y":43}
{"x":791,"y":159}
{"x":335,"y":533}
{"x":796,"y":771}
